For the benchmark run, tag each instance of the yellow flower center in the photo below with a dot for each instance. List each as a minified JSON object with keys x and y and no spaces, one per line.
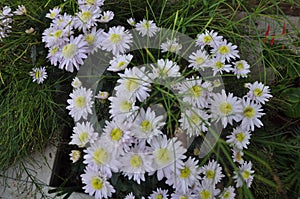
{"x":240,"y":136}
{"x":146,"y":126}
{"x":97,"y":183}
{"x":219,"y":65}
{"x":195,"y":119}
{"x":226,"y":194}
{"x":69,"y":50}
{"x":120,"y":64}
{"x":136,"y":161}
{"x":100,"y":156}
{"x":125,"y":106}
{"x":207,"y":39}
{"x":116,"y":134}
{"x":115,"y":38}
{"x":162,"y":156}
{"x":225,"y":108}
{"x":249,"y":112}
{"x":205,"y":194}
{"x":240,"y":66}
{"x":257,"y":92}
{"x":199,"y":60}
{"x":159,"y":196}
{"x":57,"y":33}
{"x":52,"y":14}
{"x":238,"y":156}
{"x":196,"y":91}
{"x":83,"y":137}
{"x":90,"y":39}
{"x":131,"y":84}
{"x":224,"y":50}
{"x":146,"y":25}
{"x":86,"y":15}
{"x":246,"y":174}
{"x":38,"y":74}
{"x":90,"y":2}
{"x":54,"y":50}
{"x":183,"y":197}
{"x":80,"y":102}
{"x":210,"y":174}
{"x":185,"y":172}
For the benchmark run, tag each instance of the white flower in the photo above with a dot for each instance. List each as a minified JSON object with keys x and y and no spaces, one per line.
{"x":91,"y":3}
{"x":73,"y":53}
{"x":53,"y":13}
{"x":212,"y":172}
{"x":130,"y":196}
{"x":38,"y":75}
{"x":199,"y":60}
{"x":258,"y":92}
{"x":206,"y":190}
{"x":181,"y":195}
{"x":76,"y":83}
{"x":21,"y":10}
{"x":228,"y":193}
{"x":55,"y":36}
{"x":219,"y":65}
{"x":5,"y":22}
{"x":117,"y":40}
{"x":251,"y":113}
{"x":119,"y":62}
{"x":239,"y":138}
{"x":244,"y":175}
{"x":80,"y":103}
{"x":159,"y":193}
{"x":226,"y":108}
{"x":64,"y":22}
{"x":131,"y":21}
{"x":93,"y":39}
{"x":208,"y":38}
{"x":54,"y":55}
{"x":102,"y":95}
{"x":83,"y":133}
{"x":75,"y":155}
{"x":96,"y":184}
{"x":224,"y":50}
{"x":146,"y":27}
{"x":241,"y":68}
{"x":146,"y":125}
{"x":194,"y":121}
{"x":87,"y":18}
{"x":171,"y":46}
{"x":163,"y":69}
{"x":237,"y":155}
{"x":106,"y":16}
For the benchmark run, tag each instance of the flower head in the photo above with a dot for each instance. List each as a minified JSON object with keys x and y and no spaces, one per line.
{"x":241,"y":68}
{"x":244,"y":174}
{"x":75,"y":155}
{"x":83,"y":134}
{"x":258,"y":92}
{"x":146,"y":27}
{"x":38,"y":74}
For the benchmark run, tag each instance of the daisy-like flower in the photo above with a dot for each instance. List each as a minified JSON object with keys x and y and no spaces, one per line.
{"x":136,"y":162}
{"x":75,"y":155}
{"x":237,"y":155}
{"x":102,"y":95}
{"x":130,"y":196}
{"x":186,"y":177}
{"x":226,"y":108}
{"x":258,"y":92}
{"x":91,"y":3}
{"x":21,"y":10}
{"x":87,"y":18}
{"x":83,"y":133}
{"x":194,"y":92}
{"x":219,"y":65}
{"x":93,"y":38}
{"x":159,"y":194}
{"x":225,"y":50}
{"x":241,"y":69}
{"x":131,"y":21}
{"x":119,"y":62}
{"x":146,"y":27}
{"x":199,"y":60}
{"x":171,"y":46}
{"x":106,"y":16}
{"x":135,"y":83}
{"x":168,"y":156}
{"x":117,"y":40}
{"x":73,"y":53}
{"x":65,"y":21}
{"x":163,"y":69}
{"x":96,"y":184}
{"x":239,"y":138}
{"x":80,"y":104}
{"x":38,"y":75}
{"x":55,"y":36}
{"x":76,"y":83}
{"x":208,"y":38}
{"x":194,"y":121}
{"x":146,"y":125}
{"x":228,"y":193}
{"x":212,"y":172}
{"x":244,"y":175}
{"x":180,"y":195}
{"x":251,"y":113}
{"x":5,"y":22}
{"x":54,"y":55}
{"x":206,"y":190}
{"x":53,"y":13}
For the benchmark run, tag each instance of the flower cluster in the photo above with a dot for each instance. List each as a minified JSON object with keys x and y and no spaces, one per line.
{"x":5,"y":22}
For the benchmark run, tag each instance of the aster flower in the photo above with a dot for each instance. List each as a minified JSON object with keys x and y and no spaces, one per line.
{"x":228,"y":193}
{"x":87,"y":18}
{"x":244,"y":175}
{"x":206,"y":190}
{"x":117,"y":40}
{"x":146,"y":27}
{"x":159,"y":193}
{"x":76,"y":83}
{"x":131,"y":21}
{"x":219,"y":65}
{"x":83,"y":133}
{"x":237,"y":155}
{"x":164,"y":68}
{"x":80,"y":103}
{"x":199,"y":60}
{"x":119,"y":62}
{"x":171,"y":46}
{"x":102,"y":95}
{"x":212,"y":172}
{"x":53,"y":13}
{"x":208,"y":38}
{"x":38,"y":75}
{"x":226,"y":108}
{"x":106,"y":16}
{"x":251,"y":113}
{"x":73,"y":53}
{"x":93,"y":39}
{"x":5,"y":22}
{"x":239,"y":138}
{"x":225,"y":50}
{"x":21,"y":10}
{"x":54,"y":55}
{"x":91,"y":3}
{"x":55,"y":36}
{"x":64,"y":21}
{"x":258,"y":92}
{"x":130,"y":196}
{"x":96,"y":184}
{"x":75,"y":155}
{"x":180,"y":195}
{"x":241,"y":68}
